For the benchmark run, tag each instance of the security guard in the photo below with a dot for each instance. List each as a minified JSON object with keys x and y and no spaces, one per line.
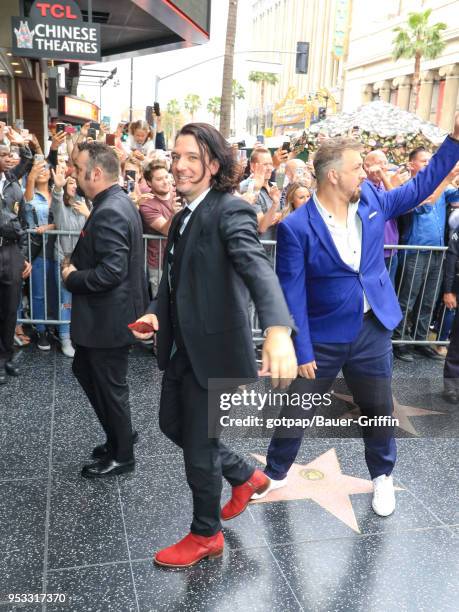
{"x":13,"y":263}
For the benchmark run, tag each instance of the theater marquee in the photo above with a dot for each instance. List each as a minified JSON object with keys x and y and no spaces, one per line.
{"x":56,"y":30}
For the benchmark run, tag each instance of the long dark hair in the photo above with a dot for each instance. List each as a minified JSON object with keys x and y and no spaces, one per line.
{"x":212,"y":144}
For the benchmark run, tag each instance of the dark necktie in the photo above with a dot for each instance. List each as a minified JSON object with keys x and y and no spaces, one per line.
{"x":177,"y":235}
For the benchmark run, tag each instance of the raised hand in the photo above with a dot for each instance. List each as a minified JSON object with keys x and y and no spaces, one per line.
{"x":37,"y":168}
{"x":57,"y":140}
{"x":258,"y":176}
{"x":280,"y":157}
{"x":59,"y":177}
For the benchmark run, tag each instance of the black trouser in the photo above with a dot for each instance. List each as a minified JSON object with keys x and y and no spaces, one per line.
{"x":11,"y":266}
{"x":451,"y":369}
{"x":183,"y":418}
{"x":102,"y":374}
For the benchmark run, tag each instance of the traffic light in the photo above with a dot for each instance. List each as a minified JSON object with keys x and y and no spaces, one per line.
{"x":302,"y":57}
{"x":322,"y":113}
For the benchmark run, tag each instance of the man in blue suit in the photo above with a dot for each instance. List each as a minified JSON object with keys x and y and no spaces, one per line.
{"x":330,"y":263}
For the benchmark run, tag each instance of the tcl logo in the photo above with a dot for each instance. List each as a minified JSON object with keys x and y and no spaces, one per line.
{"x":58,"y":11}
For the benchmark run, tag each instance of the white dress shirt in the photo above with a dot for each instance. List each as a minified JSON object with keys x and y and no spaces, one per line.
{"x":348,"y":240}
{"x":191,"y":206}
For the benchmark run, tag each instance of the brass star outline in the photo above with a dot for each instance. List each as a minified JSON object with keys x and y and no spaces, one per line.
{"x":402,"y":412}
{"x":322,"y":481}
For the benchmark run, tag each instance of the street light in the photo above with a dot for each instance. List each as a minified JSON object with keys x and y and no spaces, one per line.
{"x":103,"y":80}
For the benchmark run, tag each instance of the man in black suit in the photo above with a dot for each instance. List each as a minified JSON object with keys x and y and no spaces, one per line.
{"x":201,"y":315}
{"x":107,"y":280}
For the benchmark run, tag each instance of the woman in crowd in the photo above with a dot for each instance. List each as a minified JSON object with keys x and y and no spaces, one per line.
{"x":37,"y":199}
{"x":69,"y":213}
{"x":297,"y":194}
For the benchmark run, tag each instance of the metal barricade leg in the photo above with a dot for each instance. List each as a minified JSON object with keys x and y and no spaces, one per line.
{"x":410,"y":284}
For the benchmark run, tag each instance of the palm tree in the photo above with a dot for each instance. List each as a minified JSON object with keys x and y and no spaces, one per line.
{"x":238,"y":93}
{"x":214,"y":106}
{"x":173,"y":108}
{"x":416,"y":41}
{"x":263,"y":78}
{"x":192,"y":103}
{"x":225,"y":116}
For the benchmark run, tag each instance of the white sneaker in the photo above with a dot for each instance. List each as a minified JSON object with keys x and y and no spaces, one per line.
{"x":273,"y":485}
{"x":67,"y":348}
{"x":383,"y":502}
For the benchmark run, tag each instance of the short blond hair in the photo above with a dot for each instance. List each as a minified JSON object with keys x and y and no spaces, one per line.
{"x":257,"y":152}
{"x":330,"y":155}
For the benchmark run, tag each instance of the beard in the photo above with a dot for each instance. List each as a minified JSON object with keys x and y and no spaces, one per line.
{"x":355,"y":196}
{"x":79,"y":192}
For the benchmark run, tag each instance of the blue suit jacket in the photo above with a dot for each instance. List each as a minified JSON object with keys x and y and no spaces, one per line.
{"x":325,"y":295}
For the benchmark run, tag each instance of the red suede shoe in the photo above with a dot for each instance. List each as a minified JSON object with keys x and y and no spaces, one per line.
{"x":190,"y":550}
{"x":257,"y":483}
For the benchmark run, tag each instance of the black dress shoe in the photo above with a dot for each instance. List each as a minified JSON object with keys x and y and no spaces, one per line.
{"x":107,"y":467}
{"x":11,"y":369}
{"x":427,"y":351}
{"x":2,"y":376}
{"x":403,"y":353}
{"x":102,"y":451}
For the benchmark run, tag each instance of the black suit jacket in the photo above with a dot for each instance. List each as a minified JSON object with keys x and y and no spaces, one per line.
{"x":109,"y":286}
{"x":220,"y":262}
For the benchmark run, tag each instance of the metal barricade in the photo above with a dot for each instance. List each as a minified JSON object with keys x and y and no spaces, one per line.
{"x":417,"y":283}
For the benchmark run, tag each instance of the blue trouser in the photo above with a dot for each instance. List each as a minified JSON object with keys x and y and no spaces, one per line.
{"x":65,"y":304}
{"x":367,"y":368}
{"x":40,"y":268}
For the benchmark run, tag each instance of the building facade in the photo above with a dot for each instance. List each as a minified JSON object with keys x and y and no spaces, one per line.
{"x":277,"y":26}
{"x":372,"y":74}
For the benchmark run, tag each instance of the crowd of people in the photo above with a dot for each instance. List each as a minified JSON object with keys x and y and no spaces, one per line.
{"x":275,"y":183}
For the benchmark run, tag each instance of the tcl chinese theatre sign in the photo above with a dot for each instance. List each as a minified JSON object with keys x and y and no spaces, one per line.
{"x":56,"y":30}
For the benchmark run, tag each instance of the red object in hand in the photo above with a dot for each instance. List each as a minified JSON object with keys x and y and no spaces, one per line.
{"x":142,"y":327}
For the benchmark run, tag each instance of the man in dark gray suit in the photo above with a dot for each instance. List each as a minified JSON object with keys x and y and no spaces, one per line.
{"x":107,"y":280}
{"x":215,"y":262}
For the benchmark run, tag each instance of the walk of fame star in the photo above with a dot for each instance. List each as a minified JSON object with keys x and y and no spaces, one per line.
{"x":321,"y":481}
{"x":402,"y":412}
